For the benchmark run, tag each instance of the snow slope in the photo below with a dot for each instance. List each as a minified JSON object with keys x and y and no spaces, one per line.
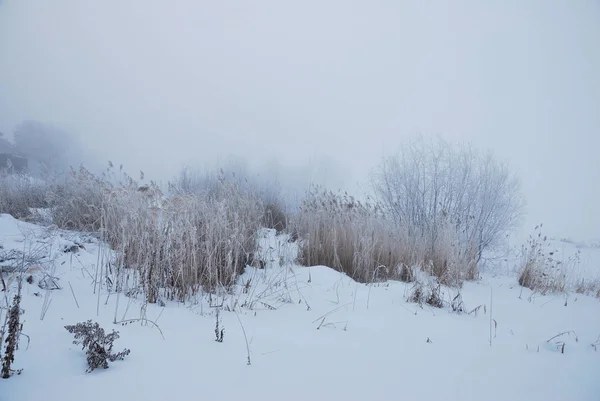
{"x":312,"y":334}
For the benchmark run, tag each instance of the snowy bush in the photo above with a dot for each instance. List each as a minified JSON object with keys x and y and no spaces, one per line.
{"x":426,"y":291}
{"x":99,"y":345}
{"x":20,"y":193}
{"x":438,"y":192}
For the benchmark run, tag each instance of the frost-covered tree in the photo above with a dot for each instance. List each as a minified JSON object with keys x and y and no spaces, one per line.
{"x":433,"y":186}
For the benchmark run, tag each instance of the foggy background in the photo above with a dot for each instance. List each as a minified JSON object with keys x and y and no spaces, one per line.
{"x":317,"y":90}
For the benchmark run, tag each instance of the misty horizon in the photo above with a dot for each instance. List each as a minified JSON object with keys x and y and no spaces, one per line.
{"x":317,"y":92}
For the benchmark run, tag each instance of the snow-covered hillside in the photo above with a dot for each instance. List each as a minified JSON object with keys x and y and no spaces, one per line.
{"x":295,"y":333}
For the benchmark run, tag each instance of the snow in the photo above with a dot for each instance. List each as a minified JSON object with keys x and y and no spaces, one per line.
{"x":313,"y":333}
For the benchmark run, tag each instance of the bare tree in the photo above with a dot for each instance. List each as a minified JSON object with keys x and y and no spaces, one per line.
{"x":432,"y":186}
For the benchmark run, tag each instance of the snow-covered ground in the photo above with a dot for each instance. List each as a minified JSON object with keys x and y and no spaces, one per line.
{"x":312,"y":334}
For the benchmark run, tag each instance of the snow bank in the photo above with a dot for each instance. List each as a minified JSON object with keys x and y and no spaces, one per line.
{"x":312,"y":334}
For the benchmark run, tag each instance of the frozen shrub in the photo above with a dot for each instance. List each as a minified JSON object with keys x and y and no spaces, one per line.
{"x":407,"y":274}
{"x":12,"y":339}
{"x":417,"y":294}
{"x":541,"y":270}
{"x":449,"y":197}
{"x":99,"y":345}
{"x":219,"y":331}
{"x":457,"y":304}
{"x":435,"y":298}
{"x":430,"y":294}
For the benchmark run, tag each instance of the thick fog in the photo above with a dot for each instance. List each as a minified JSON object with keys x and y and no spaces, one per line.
{"x":317,"y":90}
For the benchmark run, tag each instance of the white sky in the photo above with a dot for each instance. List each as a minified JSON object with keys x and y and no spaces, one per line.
{"x":333,"y":85}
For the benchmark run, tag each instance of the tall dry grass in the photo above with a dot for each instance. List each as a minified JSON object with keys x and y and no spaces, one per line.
{"x":73,"y":202}
{"x":19,"y":193}
{"x":77,"y":200}
{"x":180,"y":245}
{"x":356,"y":238}
{"x":545,"y":271}
{"x":167,"y":246}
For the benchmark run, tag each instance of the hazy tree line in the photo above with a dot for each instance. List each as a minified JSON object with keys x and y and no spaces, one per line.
{"x":47,"y":147}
